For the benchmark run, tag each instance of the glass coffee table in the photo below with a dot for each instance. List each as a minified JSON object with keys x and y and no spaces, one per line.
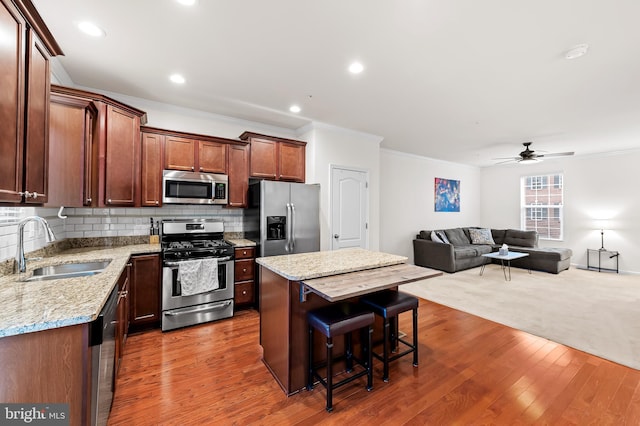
{"x":512,"y":255}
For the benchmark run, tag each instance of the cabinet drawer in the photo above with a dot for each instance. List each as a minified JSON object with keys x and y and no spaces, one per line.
{"x":245,"y":253}
{"x":244,"y":270}
{"x":243,"y":293}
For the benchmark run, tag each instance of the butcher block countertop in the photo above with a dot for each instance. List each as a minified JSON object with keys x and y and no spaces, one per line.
{"x":304,"y":266}
{"x":40,"y":305}
{"x":344,"y":286}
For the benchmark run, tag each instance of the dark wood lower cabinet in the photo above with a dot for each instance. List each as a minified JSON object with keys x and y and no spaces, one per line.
{"x":48,"y":366}
{"x":244,"y":278}
{"x":122,"y":315}
{"x":145,"y":292}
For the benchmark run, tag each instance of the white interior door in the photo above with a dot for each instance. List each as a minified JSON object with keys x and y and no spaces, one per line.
{"x":349,"y":212}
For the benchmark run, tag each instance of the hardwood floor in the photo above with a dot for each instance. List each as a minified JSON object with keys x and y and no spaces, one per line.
{"x":472,"y":371}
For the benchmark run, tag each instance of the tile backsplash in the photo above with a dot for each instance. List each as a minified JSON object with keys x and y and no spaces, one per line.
{"x":100,"y":222}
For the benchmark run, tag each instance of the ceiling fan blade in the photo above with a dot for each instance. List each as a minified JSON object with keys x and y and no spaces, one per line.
{"x":511,"y":160}
{"x":557,"y":154}
{"x":507,"y":158}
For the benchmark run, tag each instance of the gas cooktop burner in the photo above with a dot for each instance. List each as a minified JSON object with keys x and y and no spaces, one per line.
{"x":199,"y":244}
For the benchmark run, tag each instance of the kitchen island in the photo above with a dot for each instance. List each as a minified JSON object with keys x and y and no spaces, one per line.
{"x":291,"y":285}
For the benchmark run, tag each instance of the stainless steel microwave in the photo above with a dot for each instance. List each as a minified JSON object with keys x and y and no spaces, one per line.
{"x":194,"y":188}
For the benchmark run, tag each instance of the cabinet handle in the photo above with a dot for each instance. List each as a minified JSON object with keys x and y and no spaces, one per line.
{"x":109,"y":201}
{"x":201,"y":169}
{"x":89,"y":200}
{"x":157,"y":203}
{"x":35,"y":194}
{"x":244,"y":269}
{"x":26,"y":194}
{"x":192,"y":168}
{"x":244,"y":292}
{"x":244,"y":253}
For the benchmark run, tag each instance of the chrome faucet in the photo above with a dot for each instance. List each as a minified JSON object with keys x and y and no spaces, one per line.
{"x":21,"y":262}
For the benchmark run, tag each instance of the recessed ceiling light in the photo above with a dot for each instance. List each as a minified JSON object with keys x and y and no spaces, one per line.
{"x":356,"y":68}
{"x":187,"y":2}
{"x":295,"y":109}
{"x":177,"y":78}
{"x":91,"y":29}
{"x":577,"y":51}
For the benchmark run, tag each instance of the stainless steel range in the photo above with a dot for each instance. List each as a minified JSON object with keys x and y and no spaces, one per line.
{"x":182,"y":242}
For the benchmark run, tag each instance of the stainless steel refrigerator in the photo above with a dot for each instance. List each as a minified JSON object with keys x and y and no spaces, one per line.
{"x":286,"y":217}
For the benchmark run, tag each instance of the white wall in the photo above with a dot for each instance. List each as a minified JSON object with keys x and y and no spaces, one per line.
{"x":594,"y":186}
{"x":407,"y":199}
{"x":329,"y":145}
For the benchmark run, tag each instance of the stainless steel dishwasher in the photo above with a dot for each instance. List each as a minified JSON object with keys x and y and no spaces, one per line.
{"x":103,"y":341}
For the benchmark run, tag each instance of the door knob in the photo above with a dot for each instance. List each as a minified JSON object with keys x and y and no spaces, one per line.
{"x":336,"y":236}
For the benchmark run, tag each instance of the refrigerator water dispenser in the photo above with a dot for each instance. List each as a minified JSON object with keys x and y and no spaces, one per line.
{"x":276,"y":227}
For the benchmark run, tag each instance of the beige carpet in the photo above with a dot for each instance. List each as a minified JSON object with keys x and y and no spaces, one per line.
{"x":598,"y":313}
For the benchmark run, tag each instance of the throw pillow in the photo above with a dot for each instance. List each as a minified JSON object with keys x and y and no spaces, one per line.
{"x":443,"y":237}
{"x":435,"y":238}
{"x":481,"y":236}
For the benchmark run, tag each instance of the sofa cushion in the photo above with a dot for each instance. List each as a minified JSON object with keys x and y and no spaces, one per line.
{"x":457,"y":237}
{"x":516,"y":237}
{"x":481,"y":236}
{"x":471,"y":250}
{"x":464,"y":252}
{"x":498,"y":236}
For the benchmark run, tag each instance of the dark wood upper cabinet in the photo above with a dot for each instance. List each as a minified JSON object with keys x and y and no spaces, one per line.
{"x":111,"y":171}
{"x":183,"y":153}
{"x":212,"y":157}
{"x":27,"y":46}
{"x":276,"y":158}
{"x":151,"y":167}
{"x":179,"y":153}
{"x":238,"y":175}
{"x":122,"y":158}
{"x":72,"y":163}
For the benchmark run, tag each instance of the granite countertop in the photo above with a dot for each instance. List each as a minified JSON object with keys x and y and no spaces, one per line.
{"x":304,"y":266}
{"x":40,"y":305}
{"x":241,"y":242}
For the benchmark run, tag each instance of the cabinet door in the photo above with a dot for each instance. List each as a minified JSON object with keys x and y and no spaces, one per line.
{"x":12,"y":28}
{"x":264,"y":158}
{"x":122,"y":315}
{"x":291,"y":164}
{"x":151,"y":185}
{"x":212,"y":157}
{"x":70,"y":124}
{"x":145,"y":290}
{"x":122,"y":158}
{"x":179,"y":153}
{"x":238,"y":175}
{"x":37,"y":128}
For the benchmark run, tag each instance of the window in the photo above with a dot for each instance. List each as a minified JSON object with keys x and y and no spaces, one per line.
{"x":542,"y":205}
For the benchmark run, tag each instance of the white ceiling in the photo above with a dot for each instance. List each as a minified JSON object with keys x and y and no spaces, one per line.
{"x":457,"y":80}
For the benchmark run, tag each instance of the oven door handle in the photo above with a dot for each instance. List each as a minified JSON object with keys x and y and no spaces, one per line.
{"x":196,"y":309}
{"x":220,"y":260}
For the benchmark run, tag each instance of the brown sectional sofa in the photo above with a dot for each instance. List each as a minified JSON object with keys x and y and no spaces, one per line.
{"x":460,"y":253}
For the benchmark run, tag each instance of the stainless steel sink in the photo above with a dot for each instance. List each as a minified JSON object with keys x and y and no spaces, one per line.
{"x":68,"y":270}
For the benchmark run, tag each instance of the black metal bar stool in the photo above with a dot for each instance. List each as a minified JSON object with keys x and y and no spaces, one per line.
{"x":336,"y":320}
{"x":388,"y":304}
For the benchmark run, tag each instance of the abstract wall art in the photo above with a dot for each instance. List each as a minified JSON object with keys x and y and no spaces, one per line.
{"x":446,"y":195}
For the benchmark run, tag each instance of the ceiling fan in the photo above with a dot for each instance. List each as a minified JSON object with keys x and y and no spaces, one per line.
{"x":530,"y":156}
